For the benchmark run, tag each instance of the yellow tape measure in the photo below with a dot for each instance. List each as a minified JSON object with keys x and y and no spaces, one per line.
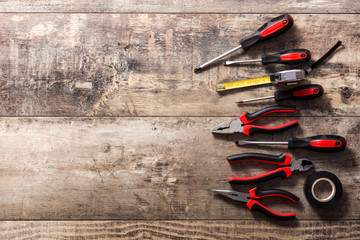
{"x":243,"y":83}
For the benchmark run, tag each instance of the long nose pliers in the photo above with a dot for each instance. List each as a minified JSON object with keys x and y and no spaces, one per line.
{"x":240,"y":125}
{"x":253,"y":204}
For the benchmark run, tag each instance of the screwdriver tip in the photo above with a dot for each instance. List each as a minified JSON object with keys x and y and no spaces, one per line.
{"x":241,"y":101}
{"x":197,"y":70}
{"x":240,"y":143}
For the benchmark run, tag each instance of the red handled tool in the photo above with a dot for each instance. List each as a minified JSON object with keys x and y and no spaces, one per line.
{"x":293,"y":56}
{"x":320,"y":143}
{"x":304,"y":92}
{"x":253,"y":204}
{"x":288,"y":166}
{"x":269,"y":30}
{"x":240,"y":125}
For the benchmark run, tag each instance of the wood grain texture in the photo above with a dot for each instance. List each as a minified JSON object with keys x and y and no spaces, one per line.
{"x":176,"y":6}
{"x":142,"y":64}
{"x":180,"y":230}
{"x":154,"y":168}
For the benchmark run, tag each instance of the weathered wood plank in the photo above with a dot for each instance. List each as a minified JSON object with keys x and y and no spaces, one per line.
{"x":142,"y":64}
{"x":181,"y":230}
{"x":153,"y":168}
{"x":163,"y":6}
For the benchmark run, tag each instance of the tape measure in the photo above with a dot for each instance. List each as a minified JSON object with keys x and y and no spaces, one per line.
{"x":243,"y":83}
{"x":288,"y":77}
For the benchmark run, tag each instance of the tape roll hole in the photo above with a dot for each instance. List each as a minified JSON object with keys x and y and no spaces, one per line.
{"x":323,"y":190}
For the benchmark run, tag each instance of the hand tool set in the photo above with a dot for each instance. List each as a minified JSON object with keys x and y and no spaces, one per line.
{"x":319,"y":143}
{"x":269,"y":30}
{"x":287,"y":77}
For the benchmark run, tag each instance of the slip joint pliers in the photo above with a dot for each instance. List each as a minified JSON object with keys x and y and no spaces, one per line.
{"x":240,"y":125}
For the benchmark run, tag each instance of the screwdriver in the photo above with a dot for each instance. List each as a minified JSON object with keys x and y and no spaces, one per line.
{"x":271,"y":29}
{"x":304,"y":92}
{"x":320,"y":143}
{"x":293,"y":56}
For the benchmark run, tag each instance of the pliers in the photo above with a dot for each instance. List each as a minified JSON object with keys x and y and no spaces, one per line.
{"x":283,"y":159}
{"x":240,"y":125}
{"x":256,"y":205}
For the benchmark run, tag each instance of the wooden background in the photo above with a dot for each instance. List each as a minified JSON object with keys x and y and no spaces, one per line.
{"x":105,"y":129}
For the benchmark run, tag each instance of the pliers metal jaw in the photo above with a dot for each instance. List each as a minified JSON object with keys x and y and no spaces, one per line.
{"x":241,"y":125}
{"x":284,"y":160}
{"x":253,"y":204}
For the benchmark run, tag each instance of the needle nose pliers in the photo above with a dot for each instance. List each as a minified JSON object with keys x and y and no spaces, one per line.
{"x":240,"y":125}
{"x":253,"y":204}
{"x":284,"y":160}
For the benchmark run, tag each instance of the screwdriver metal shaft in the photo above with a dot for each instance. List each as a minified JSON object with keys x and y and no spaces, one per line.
{"x":239,"y":142}
{"x":227,"y":63}
{"x":255,"y":99}
{"x":217,"y":58}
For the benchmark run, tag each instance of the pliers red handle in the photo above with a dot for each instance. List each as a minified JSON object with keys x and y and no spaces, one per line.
{"x":241,"y":124}
{"x":254,"y":194}
{"x":284,"y":160}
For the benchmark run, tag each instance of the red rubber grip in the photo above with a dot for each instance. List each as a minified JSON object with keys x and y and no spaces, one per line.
{"x":284,"y":172}
{"x":253,"y":204}
{"x":306,"y":92}
{"x":274,"y":28}
{"x":325,"y":143}
{"x":293,"y":56}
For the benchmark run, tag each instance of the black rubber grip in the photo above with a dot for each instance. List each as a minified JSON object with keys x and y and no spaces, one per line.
{"x":257,"y":157}
{"x":273,"y":192}
{"x":293,"y":56}
{"x":304,"y":92}
{"x":250,"y":117}
{"x":269,"y":30}
{"x":321,"y":143}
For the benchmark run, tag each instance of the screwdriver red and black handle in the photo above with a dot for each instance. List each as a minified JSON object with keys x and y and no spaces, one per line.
{"x":304,"y":92}
{"x":320,"y":143}
{"x":271,"y":29}
{"x":250,"y":117}
{"x":256,"y":205}
{"x":283,"y":160}
{"x":293,"y":56}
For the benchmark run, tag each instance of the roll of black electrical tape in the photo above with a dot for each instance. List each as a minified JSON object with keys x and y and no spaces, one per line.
{"x":336,"y":189}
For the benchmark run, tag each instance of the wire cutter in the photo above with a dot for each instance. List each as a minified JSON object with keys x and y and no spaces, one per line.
{"x":284,"y":160}
{"x":253,"y":204}
{"x":240,"y":125}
